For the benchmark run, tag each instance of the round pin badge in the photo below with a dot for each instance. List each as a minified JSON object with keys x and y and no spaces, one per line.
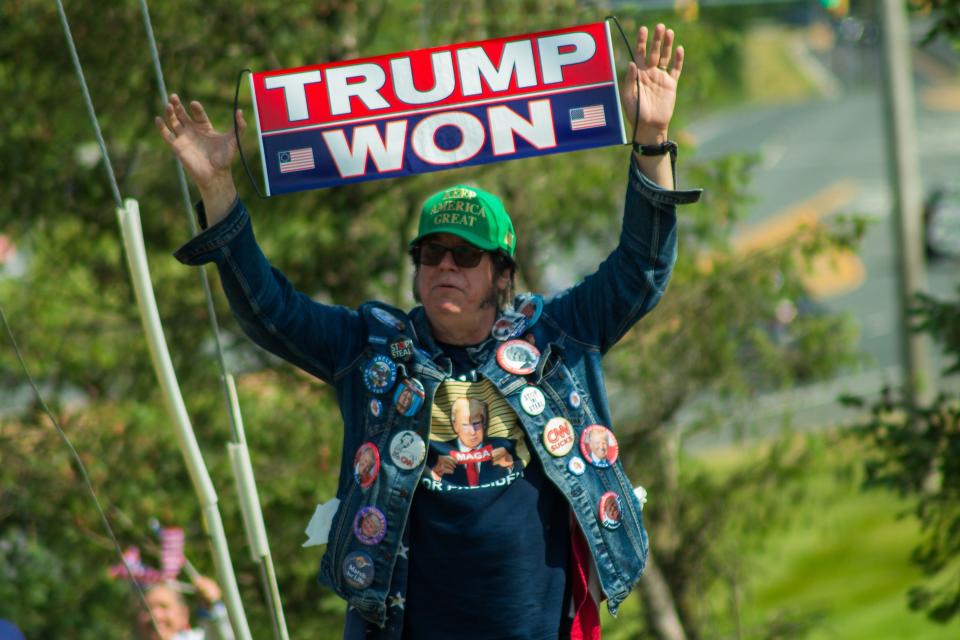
{"x":357,"y":569}
{"x":376,"y":407}
{"x":509,"y":325}
{"x":530,"y":306}
{"x":379,"y":374}
{"x":366,"y":464}
{"x":558,"y":437}
{"x":407,"y":450}
{"x":598,"y":446}
{"x":576,"y":466}
{"x":388,"y":318}
{"x":518,"y":357}
{"x":574,"y":399}
{"x":611,"y":511}
{"x":369,"y":525}
{"x":532,"y":400}
{"x":408,"y":397}
{"x":401,"y":349}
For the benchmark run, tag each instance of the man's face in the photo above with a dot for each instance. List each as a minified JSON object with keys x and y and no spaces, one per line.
{"x":169,"y":612}
{"x":449,"y":291}
{"x":469,"y":422}
{"x":370,"y":525}
{"x":598,"y":444}
{"x":404,"y":400}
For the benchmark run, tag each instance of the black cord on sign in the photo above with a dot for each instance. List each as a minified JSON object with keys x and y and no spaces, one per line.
{"x":236,"y":132}
{"x":80,"y":466}
{"x":636,"y":116}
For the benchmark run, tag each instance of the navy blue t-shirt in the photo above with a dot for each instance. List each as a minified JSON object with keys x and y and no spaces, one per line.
{"x":489,"y":533}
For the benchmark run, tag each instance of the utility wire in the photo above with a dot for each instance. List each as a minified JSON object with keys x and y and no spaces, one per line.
{"x":89,"y":104}
{"x":80,"y":466}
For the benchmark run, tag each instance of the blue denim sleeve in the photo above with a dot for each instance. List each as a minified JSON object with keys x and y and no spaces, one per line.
{"x":602,"y":307}
{"x":320,"y":339}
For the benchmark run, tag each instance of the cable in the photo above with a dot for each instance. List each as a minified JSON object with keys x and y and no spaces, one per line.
{"x":636,"y":117}
{"x":89,"y":104}
{"x":79,"y":463}
{"x":188,"y":206}
{"x":236,"y":132}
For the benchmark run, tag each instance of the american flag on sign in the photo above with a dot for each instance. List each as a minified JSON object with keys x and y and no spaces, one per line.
{"x":587,"y":117}
{"x":296,"y":160}
{"x":171,"y":552}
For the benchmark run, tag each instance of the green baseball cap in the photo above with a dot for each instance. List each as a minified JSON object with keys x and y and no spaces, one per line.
{"x":471,"y":213}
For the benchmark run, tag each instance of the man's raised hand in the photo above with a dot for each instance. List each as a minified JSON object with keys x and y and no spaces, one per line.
{"x":206,"y":154}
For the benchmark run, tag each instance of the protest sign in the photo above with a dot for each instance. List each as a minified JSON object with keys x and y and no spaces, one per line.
{"x":440,"y":108}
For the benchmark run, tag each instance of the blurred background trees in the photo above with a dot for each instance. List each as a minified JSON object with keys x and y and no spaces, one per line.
{"x":730,"y":327}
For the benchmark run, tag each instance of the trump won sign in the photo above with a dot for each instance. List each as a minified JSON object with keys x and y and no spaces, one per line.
{"x":440,"y":108}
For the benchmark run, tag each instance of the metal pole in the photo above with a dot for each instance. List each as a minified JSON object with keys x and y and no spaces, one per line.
{"x":919,"y":377}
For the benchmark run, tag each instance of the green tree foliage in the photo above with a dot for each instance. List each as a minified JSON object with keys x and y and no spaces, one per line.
{"x":70,"y":303}
{"x":915,"y":451}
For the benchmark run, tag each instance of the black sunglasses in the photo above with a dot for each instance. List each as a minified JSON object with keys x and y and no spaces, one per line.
{"x":432,"y":253}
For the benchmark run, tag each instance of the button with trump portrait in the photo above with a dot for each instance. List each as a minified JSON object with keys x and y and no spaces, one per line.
{"x":558,"y":437}
{"x":357,"y":569}
{"x":518,"y":357}
{"x":408,"y":397}
{"x":610,"y":512}
{"x":407,"y":450}
{"x":530,"y":306}
{"x":366,"y":464}
{"x":379,"y":374}
{"x":598,"y":446}
{"x":369,"y":525}
{"x":509,"y":325}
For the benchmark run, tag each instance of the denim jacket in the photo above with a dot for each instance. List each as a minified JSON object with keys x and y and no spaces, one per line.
{"x":576,"y":328}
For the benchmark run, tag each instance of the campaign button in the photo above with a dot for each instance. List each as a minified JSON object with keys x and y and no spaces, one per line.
{"x":401,"y":349}
{"x":518,"y":357}
{"x":408,"y":397}
{"x":369,"y":525}
{"x":533,"y":401}
{"x":574,"y":400}
{"x":366,"y":464}
{"x":357,"y":569}
{"x":610,"y":510}
{"x":388,"y":318}
{"x":576,"y":466}
{"x":376,"y":407}
{"x":407,"y":450}
{"x":598,"y":446}
{"x":379,"y":374}
{"x":508,"y":325}
{"x":530,"y":306}
{"x":558,"y":437}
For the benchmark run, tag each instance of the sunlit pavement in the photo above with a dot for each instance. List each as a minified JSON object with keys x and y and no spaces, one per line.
{"x":826,"y":157}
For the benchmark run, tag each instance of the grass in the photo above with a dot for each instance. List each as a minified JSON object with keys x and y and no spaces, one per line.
{"x":842,"y":564}
{"x":771,"y":72}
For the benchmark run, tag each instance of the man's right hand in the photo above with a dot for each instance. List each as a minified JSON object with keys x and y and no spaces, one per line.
{"x":206,"y":155}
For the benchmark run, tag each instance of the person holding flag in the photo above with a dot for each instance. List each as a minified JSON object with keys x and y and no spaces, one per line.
{"x":531,"y":554}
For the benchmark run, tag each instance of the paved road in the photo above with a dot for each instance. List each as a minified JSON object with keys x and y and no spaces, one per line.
{"x":829,"y":156}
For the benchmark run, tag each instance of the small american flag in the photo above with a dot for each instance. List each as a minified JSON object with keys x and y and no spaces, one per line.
{"x":296,"y":160}
{"x":171,"y":552}
{"x":587,"y":117}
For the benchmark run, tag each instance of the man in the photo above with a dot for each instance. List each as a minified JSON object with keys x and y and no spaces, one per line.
{"x":171,"y":615}
{"x":504,"y":559}
{"x":465,"y":458}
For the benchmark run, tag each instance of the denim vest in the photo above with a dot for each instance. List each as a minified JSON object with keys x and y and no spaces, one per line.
{"x":574,"y":330}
